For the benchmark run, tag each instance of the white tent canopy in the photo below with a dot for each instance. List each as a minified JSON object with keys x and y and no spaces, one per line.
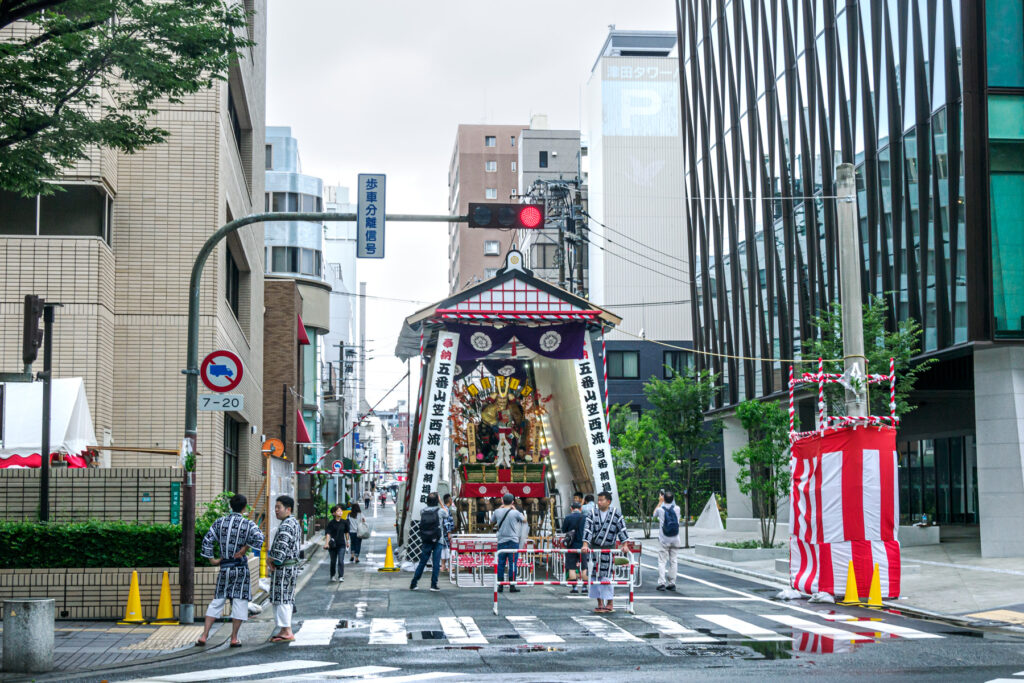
{"x":71,"y":427}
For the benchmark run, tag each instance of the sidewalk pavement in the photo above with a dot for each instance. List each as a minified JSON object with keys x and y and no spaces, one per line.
{"x":950,"y":580}
{"x":81,"y":646}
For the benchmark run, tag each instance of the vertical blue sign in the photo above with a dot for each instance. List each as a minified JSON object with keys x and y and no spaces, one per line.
{"x":370,"y":216}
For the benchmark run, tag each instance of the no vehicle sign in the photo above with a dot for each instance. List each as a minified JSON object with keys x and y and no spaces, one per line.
{"x":221,"y":371}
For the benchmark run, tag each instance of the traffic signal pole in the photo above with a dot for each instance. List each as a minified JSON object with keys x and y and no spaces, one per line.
{"x":186,"y":569}
{"x":44,"y":448}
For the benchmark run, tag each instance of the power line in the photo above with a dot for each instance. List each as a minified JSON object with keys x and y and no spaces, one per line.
{"x":630,"y":238}
{"x":639,"y":265}
{"x":645,"y":256}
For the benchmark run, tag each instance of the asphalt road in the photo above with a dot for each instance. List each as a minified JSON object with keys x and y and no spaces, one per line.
{"x":716,"y":627}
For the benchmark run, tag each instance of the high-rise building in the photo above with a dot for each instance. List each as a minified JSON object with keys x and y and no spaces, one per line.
{"x":483,"y":168}
{"x":638,"y":265}
{"x":926,"y":100}
{"x":117,"y":249}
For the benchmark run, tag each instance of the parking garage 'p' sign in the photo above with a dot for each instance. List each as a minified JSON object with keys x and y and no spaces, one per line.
{"x":221,"y":371}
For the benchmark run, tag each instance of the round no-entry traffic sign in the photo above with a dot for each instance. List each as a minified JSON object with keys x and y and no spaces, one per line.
{"x":221,"y":371}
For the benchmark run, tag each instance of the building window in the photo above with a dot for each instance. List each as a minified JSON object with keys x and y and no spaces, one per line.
{"x":512,"y":142}
{"x":71,"y":211}
{"x":236,"y":122}
{"x":1004,"y":27}
{"x":676,"y":363}
{"x":491,"y":193}
{"x":492,"y":248}
{"x":623,"y":364}
{"x":234,"y":283}
{"x":295,"y":260}
{"x":268,"y":157}
{"x":490,"y":141}
{"x":545,"y":256}
{"x":285,"y":201}
{"x":491,"y":166}
{"x":543,"y":161}
{"x":513,"y":167}
{"x":489,"y":273}
{"x":1006,"y":186}
{"x":232,"y":430}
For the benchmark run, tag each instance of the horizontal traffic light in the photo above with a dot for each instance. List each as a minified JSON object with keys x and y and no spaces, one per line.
{"x":506,"y":216}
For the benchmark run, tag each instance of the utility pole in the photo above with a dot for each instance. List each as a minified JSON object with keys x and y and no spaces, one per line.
{"x":850,"y":264}
{"x":581,"y":244}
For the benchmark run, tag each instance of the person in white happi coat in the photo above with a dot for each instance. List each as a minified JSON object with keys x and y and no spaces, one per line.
{"x":235,"y":535}
{"x":283,"y":562}
{"x":605,"y":529}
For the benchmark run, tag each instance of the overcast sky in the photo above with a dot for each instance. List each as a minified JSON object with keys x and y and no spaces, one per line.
{"x":380,"y":87}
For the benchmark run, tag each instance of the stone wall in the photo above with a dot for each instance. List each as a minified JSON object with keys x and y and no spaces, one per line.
{"x":102,"y":593}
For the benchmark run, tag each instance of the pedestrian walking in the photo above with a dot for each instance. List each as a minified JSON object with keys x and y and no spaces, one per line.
{"x":449,"y":527}
{"x":573,"y":527}
{"x":336,"y":539}
{"x":431,"y":532}
{"x":668,"y":514}
{"x":589,"y":506}
{"x":605,"y":529}
{"x":383,"y":499}
{"x":284,"y":567}
{"x":359,"y":529}
{"x":234,"y":534}
{"x":508,"y":523}
{"x":366,"y":501}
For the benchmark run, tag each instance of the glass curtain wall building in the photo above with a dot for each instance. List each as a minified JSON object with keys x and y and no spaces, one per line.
{"x":926,"y":99}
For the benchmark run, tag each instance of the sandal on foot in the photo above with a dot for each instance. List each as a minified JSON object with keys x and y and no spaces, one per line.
{"x":237,"y":644}
{"x":282,"y":639}
{"x":200,"y":643}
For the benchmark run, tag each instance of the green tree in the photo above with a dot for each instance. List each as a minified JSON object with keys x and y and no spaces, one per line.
{"x":764,"y":462}
{"x":678,"y":407}
{"x":642,"y":457}
{"x":879,"y":346}
{"x":90,"y":72}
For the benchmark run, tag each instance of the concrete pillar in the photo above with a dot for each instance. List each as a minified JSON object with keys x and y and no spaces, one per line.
{"x":28,"y":635}
{"x":999,"y":425}
{"x":734,"y":437}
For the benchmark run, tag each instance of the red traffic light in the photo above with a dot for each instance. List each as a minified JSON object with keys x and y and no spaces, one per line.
{"x":506,"y":216}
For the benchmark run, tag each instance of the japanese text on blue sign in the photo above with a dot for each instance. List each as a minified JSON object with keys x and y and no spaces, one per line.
{"x":370,"y":215}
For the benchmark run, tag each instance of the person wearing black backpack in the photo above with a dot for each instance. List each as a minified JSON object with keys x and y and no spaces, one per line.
{"x":668,"y":515}
{"x":573,"y":527}
{"x":431,"y":529}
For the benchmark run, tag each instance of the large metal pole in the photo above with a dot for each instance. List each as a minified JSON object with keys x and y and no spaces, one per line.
{"x":850,"y":265}
{"x":186,"y":570}
{"x":44,"y":448}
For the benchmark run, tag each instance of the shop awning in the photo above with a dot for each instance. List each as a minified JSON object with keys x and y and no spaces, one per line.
{"x":303,"y":337}
{"x":301,"y":433}
{"x":71,"y":428}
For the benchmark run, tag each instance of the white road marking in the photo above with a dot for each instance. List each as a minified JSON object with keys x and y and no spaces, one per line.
{"x":670,"y":627}
{"x":414,"y":677}
{"x":462,"y":631}
{"x":534,"y":631}
{"x":869,"y":625}
{"x":361,"y":610}
{"x":669,"y":597}
{"x":817,"y":629}
{"x":351,"y":672}
{"x":742,"y":627}
{"x":315,"y":632}
{"x":388,"y":632}
{"x":602,"y":628}
{"x":235,"y":671}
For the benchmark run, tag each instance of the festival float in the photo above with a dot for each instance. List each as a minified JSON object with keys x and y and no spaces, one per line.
{"x":508,"y":402}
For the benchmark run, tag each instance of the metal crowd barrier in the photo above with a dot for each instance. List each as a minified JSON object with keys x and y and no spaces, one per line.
{"x":529,"y":556}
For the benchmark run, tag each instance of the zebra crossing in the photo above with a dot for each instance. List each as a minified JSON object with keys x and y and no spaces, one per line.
{"x":622,"y":628}
{"x":288,"y":670}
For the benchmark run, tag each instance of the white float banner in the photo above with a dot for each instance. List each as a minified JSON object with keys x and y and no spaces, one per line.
{"x":592,"y":413}
{"x":436,"y":402}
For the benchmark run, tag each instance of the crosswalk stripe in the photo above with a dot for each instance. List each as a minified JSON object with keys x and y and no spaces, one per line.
{"x":674,"y":629}
{"x":235,"y":671}
{"x":868,"y":625}
{"x":817,"y":629}
{"x":462,"y":631}
{"x":602,"y":628}
{"x":430,"y":675}
{"x":315,"y":632}
{"x":351,"y":672}
{"x":534,"y":631}
{"x":742,"y":627}
{"x":388,"y":632}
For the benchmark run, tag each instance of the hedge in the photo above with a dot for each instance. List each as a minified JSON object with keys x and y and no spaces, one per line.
{"x":28,"y":545}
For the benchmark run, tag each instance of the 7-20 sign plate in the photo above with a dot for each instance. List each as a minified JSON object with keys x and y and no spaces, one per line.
{"x":222,"y":402}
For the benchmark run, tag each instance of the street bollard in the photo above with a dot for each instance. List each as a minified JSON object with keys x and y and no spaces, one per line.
{"x":28,"y":635}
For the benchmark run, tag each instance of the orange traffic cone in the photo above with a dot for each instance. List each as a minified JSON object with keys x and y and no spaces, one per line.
{"x":389,"y":561}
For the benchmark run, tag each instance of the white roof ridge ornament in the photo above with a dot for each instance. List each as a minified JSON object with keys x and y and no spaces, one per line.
{"x":514,"y":261}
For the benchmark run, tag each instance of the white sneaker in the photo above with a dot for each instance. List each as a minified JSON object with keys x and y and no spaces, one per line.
{"x":341,"y":579}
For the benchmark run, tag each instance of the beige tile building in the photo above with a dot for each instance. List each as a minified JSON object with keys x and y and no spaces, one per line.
{"x":117,"y":251}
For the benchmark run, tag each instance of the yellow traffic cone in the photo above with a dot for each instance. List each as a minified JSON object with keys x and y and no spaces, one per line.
{"x":165,"y":611}
{"x":389,"y":561}
{"x":850,"y":597}
{"x":133,"y":610}
{"x":875,"y":593}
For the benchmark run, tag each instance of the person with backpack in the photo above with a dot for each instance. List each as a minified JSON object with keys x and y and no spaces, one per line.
{"x":358,"y":530}
{"x":449,"y":527}
{"x":572,"y":529}
{"x":668,"y":514}
{"x":508,"y":524}
{"x":431,"y":531}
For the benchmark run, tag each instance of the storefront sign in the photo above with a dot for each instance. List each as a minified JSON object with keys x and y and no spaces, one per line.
{"x":592,"y":409}
{"x":436,"y":402}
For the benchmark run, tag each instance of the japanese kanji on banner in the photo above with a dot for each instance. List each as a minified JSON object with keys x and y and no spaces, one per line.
{"x":596,"y":429}
{"x":844,"y":508}
{"x":437,"y":399}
